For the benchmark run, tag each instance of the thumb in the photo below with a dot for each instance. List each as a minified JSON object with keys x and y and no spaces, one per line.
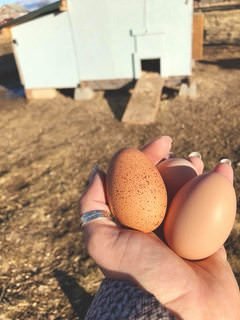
{"x":99,"y":234}
{"x":94,"y":196}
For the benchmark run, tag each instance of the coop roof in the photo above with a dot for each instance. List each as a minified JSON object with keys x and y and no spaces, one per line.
{"x":53,"y":7}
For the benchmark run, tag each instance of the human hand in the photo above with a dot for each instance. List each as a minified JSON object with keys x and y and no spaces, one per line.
{"x":203,"y":289}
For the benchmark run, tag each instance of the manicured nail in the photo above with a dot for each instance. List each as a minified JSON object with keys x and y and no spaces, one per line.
{"x":167,"y":137}
{"x":93,"y":173}
{"x":226,"y":161}
{"x":195,"y":154}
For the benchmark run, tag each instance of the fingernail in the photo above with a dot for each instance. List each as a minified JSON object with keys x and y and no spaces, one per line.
{"x":167,"y":138}
{"x":195,"y":154}
{"x":226,"y":161}
{"x":93,"y":173}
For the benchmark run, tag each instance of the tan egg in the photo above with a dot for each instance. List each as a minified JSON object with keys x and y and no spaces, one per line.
{"x":175,"y":173}
{"x":201,"y":216}
{"x":136,"y":193}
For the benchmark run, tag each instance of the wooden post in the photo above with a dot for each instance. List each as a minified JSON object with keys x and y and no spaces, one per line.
{"x":63,"y":5}
{"x":6,"y":33}
{"x":198,"y":35}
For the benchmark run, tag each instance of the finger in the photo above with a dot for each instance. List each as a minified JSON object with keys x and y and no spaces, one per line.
{"x":196,"y":159}
{"x":224,"y":167}
{"x":221,"y":253}
{"x":158,"y":149}
{"x":94,"y":197}
{"x":220,"y":256}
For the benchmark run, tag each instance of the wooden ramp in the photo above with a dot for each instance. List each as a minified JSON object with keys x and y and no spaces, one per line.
{"x":145,"y":100}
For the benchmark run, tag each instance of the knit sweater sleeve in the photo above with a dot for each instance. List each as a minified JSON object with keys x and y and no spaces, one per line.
{"x":122,"y":300}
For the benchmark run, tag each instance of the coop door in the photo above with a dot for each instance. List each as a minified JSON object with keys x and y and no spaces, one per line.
{"x":149,"y":53}
{"x":165,"y":33}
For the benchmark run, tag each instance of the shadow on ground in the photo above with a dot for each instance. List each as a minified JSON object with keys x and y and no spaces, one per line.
{"x":79,"y":299}
{"x":118,"y":99}
{"x":233,"y":63}
{"x":11,"y":90}
{"x":9,"y":77}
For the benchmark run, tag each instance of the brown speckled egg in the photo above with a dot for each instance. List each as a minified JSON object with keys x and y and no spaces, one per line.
{"x":136,"y":193}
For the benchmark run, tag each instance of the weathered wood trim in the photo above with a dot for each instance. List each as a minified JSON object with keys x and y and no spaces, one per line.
{"x":112,"y":84}
{"x":63,"y":5}
{"x":221,"y":5}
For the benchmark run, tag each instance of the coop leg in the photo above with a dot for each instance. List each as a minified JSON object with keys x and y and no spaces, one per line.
{"x":83,"y":93}
{"x":32,"y":94}
{"x":189,"y":89}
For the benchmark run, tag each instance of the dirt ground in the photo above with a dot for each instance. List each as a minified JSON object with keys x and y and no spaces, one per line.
{"x":47,"y":149}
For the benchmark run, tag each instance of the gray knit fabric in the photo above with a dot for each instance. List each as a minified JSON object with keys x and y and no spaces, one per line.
{"x":122,"y":300}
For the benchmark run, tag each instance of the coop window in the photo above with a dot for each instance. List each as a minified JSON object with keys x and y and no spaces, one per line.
{"x":151,"y":65}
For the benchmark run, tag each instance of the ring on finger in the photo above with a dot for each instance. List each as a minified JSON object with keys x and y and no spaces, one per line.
{"x":94,"y":215}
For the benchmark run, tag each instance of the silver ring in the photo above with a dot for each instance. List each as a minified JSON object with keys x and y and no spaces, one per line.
{"x":94,"y":215}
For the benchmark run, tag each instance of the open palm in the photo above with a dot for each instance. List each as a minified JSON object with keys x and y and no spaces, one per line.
{"x":203,"y":289}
